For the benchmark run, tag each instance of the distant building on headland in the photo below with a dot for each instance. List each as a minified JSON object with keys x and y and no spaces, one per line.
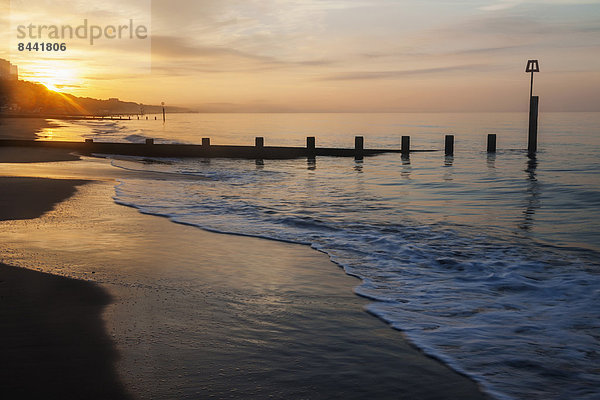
{"x":8,"y":70}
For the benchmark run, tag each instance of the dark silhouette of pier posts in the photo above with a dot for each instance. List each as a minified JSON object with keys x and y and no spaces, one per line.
{"x":359,"y":146}
{"x":405,"y":149}
{"x":449,"y":145}
{"x":162,"y":103}
{"x":491,"y":143}
{"x":532,"y":66}
{"x":206,"y":142}
{"x":310,"y":147}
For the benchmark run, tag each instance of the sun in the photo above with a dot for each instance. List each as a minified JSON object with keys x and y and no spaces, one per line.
{"x":58,"y":76}
{"x":57,"y":79}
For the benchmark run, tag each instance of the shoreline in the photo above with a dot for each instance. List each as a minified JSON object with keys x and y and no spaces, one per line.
{"x":282,"y":318}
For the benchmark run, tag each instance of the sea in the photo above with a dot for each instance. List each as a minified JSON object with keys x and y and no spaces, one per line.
{"x":488,"y":262}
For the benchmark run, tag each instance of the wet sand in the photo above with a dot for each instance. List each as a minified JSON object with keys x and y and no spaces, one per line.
{"x":23,"y":128}
{"x":204,"y":315}
{"x":28,"y":129}
{"x":53,"y":340}
{"x":32,"y":155}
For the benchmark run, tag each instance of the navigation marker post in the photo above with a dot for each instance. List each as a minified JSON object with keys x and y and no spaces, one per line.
{"x":532,"y":66}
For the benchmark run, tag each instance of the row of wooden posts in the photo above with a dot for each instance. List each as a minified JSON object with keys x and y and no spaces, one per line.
{"x":359,"y":141}
{"x":258,"y":151}
{"x":120,"y":117}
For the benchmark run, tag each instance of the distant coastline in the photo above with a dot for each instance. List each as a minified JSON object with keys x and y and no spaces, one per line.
{"x":24,"y":98}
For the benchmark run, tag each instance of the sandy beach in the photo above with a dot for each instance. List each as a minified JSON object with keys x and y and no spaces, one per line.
{"x":161,"y":310}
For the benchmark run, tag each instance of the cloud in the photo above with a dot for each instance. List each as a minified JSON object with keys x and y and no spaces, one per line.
{"x":506,"y":30}
{"x":185,"y":57}
{"x":439,"y":52}
{"x":172,"y":46}
{"x":395,"y":74}
{"x":507,"y":4}
{"x":503,"y":5}
{"x":485,"y":50}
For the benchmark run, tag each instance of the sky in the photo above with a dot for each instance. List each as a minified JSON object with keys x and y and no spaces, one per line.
{"x":321,"y":55}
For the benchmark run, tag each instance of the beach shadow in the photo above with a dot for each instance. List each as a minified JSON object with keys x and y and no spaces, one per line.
{"x":54,"y":344}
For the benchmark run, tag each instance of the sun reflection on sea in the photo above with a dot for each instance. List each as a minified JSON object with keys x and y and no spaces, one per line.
{"x":47,"y":134}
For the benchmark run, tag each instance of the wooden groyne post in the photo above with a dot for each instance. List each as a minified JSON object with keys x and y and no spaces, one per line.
{"x":311,"y":147}
{"x":259,"y":146}
{"x":259,"y":142}
{"x":491,"y":143}
{"x":405,"y":149}
{"x":533,"y":125}
{"x":532,"y":66}
{"x":449,"y":145}
{"x":359,"y":146}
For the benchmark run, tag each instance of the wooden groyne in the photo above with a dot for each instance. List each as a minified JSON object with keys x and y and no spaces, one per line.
{"x":208,"y":150}
{"x":120,"y":116}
